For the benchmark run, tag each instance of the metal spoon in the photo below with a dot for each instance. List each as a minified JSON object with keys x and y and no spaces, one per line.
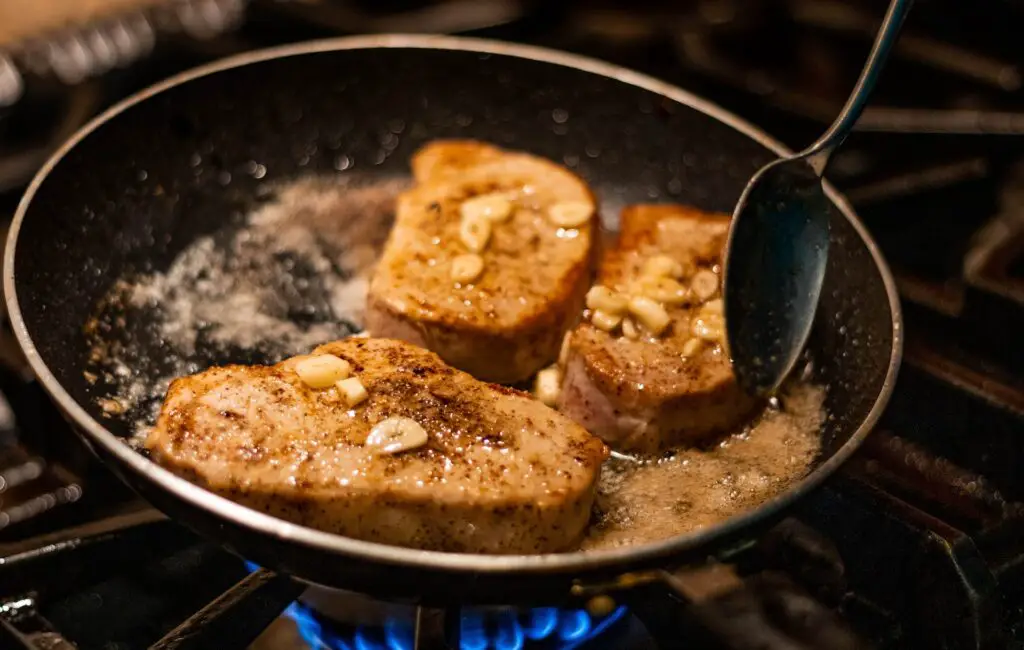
{"x":778,"y":242}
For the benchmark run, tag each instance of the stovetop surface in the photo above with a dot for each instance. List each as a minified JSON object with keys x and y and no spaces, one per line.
{"x":919,"y":542}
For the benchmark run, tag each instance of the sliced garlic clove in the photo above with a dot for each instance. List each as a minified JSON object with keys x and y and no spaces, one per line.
{"x":322,"y":370}
{"x":661,"y":266}
{"x":602,"y":298}
{"x":604,"y":321}
{"x":629,"y":329}
{"x":704,"y":284}
{"x":492,"y":207}
{"x":352,"y":391}
{"x":664,"y":290}
{"x":715,"y":306}
{"x":467,"y":268}
{"x":475,"y":233}
{"x":708,"y":327}
{"x":395,"y":435}
{"x":570,"y":214}
{"x":692,"y":347}
{"x":548,"y":386}
{"x":650,"y":314}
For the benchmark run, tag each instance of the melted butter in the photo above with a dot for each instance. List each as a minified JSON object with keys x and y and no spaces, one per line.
{"x":692,"y":489}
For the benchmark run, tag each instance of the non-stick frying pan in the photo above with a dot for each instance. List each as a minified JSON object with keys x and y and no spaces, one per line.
{"x":126,"y":192}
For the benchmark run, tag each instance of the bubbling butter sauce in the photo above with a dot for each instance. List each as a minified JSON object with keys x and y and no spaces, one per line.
{"x":691,"y":489}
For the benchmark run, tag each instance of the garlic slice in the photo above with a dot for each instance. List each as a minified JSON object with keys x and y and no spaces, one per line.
{"x":493,"y":207}
{"x":570,"y":214}
{"x":395,"y":435}
{"x":606,"y":300}
{"x":709,"y":327}
{"x":692,"y":347}
{"x":650,"y":314}
{"x":466,"y":268}
{"x":715,"y":306}
{"x":705,"y":284}
{"x":322,"y":370}
{"x":475,"y":233}
{"x":548,"y":386}
{"x":352,"y":391}
{"x":602,"y":320}
{"x":661,"y":266}
{"x":664,"y":290}
{"x":629,"y":329}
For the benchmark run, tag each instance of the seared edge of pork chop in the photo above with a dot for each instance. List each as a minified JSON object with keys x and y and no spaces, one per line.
{"x":499,"y":473}
{"x":648,"y":395}
{"x":509,"y":322}
{"x":441,"y":158}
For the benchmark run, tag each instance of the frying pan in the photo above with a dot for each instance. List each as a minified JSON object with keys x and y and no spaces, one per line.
{"x":126,"y":191}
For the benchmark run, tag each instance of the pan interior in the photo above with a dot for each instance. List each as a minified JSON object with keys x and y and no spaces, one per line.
{"x":193,"y":160}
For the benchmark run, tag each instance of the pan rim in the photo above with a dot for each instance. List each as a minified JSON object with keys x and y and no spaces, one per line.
{"x":576,"y":561}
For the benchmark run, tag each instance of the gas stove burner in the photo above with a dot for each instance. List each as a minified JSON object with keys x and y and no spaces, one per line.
{"x":337,"y":620}
{"x":546,"y":628}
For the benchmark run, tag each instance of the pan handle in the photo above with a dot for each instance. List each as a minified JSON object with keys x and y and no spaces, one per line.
{"x":711,"y":606}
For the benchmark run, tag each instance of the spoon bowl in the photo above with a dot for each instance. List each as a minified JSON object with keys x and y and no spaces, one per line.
{"x":778,"y":242}
{"x":772,"y":286}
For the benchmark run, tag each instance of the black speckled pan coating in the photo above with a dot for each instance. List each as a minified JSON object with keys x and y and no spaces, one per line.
{"x":92,"y":213}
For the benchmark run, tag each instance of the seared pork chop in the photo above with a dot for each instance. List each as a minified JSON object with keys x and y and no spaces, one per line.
{"x":493,"y":298}
{"x":647,"y":393}
{"x":497,"y":472}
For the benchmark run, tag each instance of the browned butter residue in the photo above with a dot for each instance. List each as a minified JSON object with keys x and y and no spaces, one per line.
{"x":696,"y":488}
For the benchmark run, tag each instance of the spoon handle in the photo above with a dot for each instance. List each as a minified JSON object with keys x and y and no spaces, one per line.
{"x":818,"y":154}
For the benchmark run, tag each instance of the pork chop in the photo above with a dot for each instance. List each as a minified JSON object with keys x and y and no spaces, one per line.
{"x":648,"y":393}
{"x":496,"y":307}
{"x":497,"y":472}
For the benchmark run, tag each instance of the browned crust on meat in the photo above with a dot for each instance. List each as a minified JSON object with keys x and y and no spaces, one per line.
{"x":645,"y":381}
{"x":442,"y":158}
{"x":638,"y":230}
{"x":509,"y":323}
{"x":259,"y":436}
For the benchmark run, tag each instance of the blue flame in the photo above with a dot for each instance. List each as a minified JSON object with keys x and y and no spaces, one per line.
{"x":574,"y":625}
{"x":597,"y":630}
{"x":365,"y":639}
{"x":472,"y":633}
{"x":398,"y":634}
{"x":509,"y":634}
{"x":547,"y":627}
{"x":541,"y":623}
{"x":311,"y":630}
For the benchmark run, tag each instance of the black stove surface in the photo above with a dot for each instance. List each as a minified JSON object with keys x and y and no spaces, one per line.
{"x":919,"y":542}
